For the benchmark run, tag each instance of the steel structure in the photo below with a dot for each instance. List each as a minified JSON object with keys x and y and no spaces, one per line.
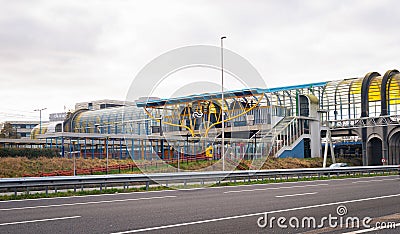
{"x":282,"y":122}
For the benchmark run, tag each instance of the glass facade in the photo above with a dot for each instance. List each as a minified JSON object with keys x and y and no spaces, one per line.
{"x":338,"y":100}
{"x":118,"y":120}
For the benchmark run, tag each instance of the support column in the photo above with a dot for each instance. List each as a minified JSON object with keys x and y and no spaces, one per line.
{"x":385,"y":146}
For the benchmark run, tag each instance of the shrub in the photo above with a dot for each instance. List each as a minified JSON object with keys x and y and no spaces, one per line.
{"x":29,"y":153}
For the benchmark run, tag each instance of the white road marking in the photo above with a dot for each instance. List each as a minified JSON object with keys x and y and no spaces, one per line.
{"x":368,"y":181}
{"x":85,"y":203}
{"x":39,"y":220}
{"x":297,"y":194}
{"x":372,"y":229}
{"x":275,"y":188}
{"x":83,"y":196}
{"x":255,"y":214}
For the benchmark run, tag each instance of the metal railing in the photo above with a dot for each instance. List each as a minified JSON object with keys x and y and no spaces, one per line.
{"x":67,"y":182}
{"x":378,"y":121}
{"x":284,"y":134}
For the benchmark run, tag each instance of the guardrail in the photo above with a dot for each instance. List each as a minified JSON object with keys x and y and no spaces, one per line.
{"x":125,"y":180}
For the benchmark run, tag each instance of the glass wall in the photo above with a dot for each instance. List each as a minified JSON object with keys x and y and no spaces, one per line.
{"x":393,"y":95}
{"x":374,"y":97}
{"x":119,"y":120}
{"x":341,"y":99}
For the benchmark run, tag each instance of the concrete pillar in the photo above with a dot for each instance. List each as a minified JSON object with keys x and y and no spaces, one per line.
{"x":315,"y":143}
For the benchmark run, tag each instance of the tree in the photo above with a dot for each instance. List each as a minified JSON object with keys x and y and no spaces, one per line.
{"x":8,"y":131}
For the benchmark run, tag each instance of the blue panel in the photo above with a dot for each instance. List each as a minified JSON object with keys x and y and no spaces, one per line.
{"x":293,"y":87}
{"x":296,"y":152}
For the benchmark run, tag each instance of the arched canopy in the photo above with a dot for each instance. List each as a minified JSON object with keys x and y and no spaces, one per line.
{"x":374,"y":96}
{"x":119,"y":120}
{"x":393,"y":95}
{"x":342,"y":99}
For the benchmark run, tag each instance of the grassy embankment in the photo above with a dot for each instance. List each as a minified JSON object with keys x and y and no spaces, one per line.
{"x":9,"y":166}
{"x":18,"y":166}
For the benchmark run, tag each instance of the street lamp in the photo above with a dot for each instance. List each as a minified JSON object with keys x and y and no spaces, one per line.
{"x":222,"y":105}
{"x":40,"y":118}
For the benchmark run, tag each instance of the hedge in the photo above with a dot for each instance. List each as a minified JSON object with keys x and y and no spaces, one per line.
{"x":29,"y":153}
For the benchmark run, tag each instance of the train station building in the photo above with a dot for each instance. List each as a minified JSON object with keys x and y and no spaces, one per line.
{"x":359,"y":117}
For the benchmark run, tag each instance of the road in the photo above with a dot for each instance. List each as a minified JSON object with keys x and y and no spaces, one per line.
{"x":212,"y":210}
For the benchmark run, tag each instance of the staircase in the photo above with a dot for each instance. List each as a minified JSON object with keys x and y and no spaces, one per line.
{"x":283,"y":135}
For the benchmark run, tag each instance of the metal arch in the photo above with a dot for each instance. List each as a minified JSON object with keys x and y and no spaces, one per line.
{"x":86,"y":130}
{"x":278,"y":98}
{"x":335,"y":96}
{"x":234,"y":117}
{"x":226,"y":103}
{"x":364,"y":92}
{"x":349,"y":98}
{"x":72,"y":119}
{"x":102,"y":122}
{"x":364,"y":111}
{"x":191,"y":128}
{"x":388,"y":95}
{"x":384,"y":90}
{"x":322,"y":96}
{"x":108,"y":123}
{"x":268,"y":101}
{"x":311,"y":89}
{"x":290,"y":99}
{"x":318,"y":90}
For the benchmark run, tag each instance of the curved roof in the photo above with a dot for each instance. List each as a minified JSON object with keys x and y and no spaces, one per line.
{"x":217,"y":95}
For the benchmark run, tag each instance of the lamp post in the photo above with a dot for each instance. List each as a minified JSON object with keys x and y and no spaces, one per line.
{"x":40,"y":118}
{"x":222,"y":104}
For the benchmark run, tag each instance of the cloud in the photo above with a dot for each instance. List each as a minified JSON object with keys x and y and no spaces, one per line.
{"x":61,"y":52}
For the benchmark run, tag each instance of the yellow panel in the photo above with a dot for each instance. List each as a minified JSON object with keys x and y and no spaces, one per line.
{"x":212,"y":109}
{"x":356,"y":87}
{"x":374,"y":92}
{"x":394,"y":91}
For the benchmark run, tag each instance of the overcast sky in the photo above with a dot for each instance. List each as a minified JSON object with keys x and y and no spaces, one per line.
{"x":56,"y":53}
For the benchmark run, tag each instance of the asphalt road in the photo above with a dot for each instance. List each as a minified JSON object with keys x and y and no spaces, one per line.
{"x":239,"y":209}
